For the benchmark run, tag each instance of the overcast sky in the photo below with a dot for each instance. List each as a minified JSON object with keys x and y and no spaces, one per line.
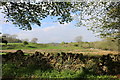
{"x":49,"y":31}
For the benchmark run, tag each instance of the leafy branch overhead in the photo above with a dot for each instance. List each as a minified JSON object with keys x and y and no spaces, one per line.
{"x":102,"y":17}
{"x":25,"y":14}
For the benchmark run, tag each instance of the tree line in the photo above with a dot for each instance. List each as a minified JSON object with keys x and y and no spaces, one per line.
{"x":14,"y":39}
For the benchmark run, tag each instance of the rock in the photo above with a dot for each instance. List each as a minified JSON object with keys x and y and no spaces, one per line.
{"x":31,"y":56}
{"x":76,"y":56}
{"x":105,"y":69}
{"x":36,"y":53}
{"x":63,"y":54}
{"x":51,"y":57}
{"x":58,"y":54}
{"x":70,"y":55}
{"x":19,"y":52}
{"x":47,"y":54}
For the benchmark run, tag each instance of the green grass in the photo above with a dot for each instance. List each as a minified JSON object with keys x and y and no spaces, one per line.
{"x":49,"y":48}
{"x":13,"y":46}
{"x":2,"y":53}
{"x":6,"y":53}
{"x":27,"y":72}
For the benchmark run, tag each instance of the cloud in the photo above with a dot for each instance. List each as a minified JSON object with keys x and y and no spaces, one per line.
{"x":58,"y":33}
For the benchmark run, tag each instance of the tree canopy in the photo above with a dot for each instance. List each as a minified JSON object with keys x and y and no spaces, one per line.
{"x":112,"y":22}
{"x":25,"y":14}
{"x":101,"y":17}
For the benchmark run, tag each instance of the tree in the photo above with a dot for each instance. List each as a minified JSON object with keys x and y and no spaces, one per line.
{"x":4,"y":41}
{"x":34,"y":40}
{"x":10,"y":38}
{"x":13,"y":36}
{"x":25,"y":43}
{"x":112,"y":22}
{"x":25,"y":40}
{"x":78,"y":39}
{"x":25,"y":14}
{"x":102,"y":18}
{"x":5,"y":35}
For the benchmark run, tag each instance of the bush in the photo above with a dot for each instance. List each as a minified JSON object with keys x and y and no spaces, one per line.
{"x":76,"y":45}
{"x":25,"y":43}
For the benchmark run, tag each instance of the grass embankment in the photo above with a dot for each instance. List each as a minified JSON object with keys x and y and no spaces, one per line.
{"x":33,"y":72}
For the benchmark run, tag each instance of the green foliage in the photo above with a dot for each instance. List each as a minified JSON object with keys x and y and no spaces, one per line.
{"x":56,"y":74}
{"x":25,"y":43}
{"x":10,"y":70}
{"x":112,"y":21}
{"x":76,"y":45}
{"x":85,"y":45}
{"x":103,"y":17}
{"x":64,"y":42}
{"x":106,"y":44}
{"x":25,"y":14}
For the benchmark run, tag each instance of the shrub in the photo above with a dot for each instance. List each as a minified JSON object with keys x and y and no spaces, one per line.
{"x":76,"y":45}
{"x":25,"y":43}
{"x":63,"y":42}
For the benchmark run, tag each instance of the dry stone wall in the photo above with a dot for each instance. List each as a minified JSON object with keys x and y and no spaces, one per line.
{"x":106,"y":64}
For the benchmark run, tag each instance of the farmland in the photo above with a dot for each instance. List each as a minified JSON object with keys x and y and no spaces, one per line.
{"x":52,"y":48}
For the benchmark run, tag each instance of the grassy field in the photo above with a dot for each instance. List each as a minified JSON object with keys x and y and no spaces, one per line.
{"x":71,"y":47}
{"x":34,"y":46}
